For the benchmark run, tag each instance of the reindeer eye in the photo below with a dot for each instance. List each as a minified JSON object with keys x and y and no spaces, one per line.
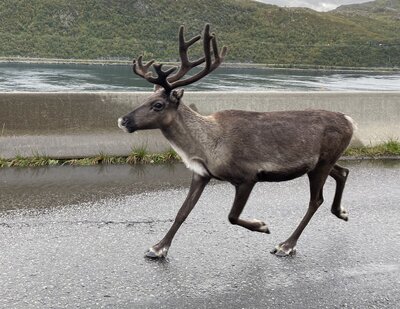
{"x":158,"y":106}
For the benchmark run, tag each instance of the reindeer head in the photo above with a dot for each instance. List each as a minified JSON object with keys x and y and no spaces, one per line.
{"x":161,"y":107}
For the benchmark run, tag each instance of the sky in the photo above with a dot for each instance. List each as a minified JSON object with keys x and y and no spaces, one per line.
{"x":322,"y":6}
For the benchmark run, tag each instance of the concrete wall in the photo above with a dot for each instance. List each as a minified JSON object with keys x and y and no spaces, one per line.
{"x":85,"y":124}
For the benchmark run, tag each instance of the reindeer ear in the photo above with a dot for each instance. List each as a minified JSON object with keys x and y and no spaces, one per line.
{"x":176,"y":95}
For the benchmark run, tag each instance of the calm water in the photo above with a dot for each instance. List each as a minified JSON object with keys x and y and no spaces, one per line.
{"x":71,"y":77}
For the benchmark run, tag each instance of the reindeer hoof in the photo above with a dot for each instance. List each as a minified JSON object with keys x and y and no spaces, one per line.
{"x":341,"y":214}
{"x":281,"y":251}
{"x":260,"y":226}
{"x":156,"y":254}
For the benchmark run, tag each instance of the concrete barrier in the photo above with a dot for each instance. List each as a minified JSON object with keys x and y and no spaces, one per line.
{"x":69,"y":125}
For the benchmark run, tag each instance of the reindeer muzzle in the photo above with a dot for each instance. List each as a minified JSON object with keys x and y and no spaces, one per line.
{"x":126,"y":124}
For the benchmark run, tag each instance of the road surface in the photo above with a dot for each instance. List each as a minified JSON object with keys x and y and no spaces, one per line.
{"x":75,"y":237}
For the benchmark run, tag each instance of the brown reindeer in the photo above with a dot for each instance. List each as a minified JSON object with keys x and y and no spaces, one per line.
{"x":240,"y":147}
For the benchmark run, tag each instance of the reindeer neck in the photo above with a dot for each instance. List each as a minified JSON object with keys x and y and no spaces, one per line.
{"x":190,"y":132}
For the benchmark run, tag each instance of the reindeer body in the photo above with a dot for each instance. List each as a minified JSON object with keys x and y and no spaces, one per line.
{"x":241,"y":147}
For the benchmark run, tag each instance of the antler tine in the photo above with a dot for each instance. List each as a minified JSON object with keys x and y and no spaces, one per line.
{"x":143,"y":71}
{"x":218,"y":57}
{"x":139,"y":68}
{"x":186,"y":64}
{"x":208,"y":40}
{"x":184,"y":45}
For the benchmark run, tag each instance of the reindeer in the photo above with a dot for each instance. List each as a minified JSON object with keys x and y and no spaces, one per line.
{"x":241,"y":147}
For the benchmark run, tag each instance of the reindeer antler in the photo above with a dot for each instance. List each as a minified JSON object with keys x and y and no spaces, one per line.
{"x":168,"y":82}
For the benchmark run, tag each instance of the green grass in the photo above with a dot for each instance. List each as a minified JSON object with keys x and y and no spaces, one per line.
{"x":31,"y":161}
{"x":137,"y":156}
{"x":390,"y":148}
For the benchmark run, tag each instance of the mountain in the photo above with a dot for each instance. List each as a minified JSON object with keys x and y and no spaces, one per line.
{"x":253,"y":31}
{"x":378,"y":8}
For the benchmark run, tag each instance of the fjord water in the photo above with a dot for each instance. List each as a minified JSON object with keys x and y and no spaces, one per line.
{"x":72,"y":77}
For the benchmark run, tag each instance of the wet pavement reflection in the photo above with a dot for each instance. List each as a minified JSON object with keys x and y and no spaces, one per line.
{"x":56,"y":186}
{"x":75,"y":237}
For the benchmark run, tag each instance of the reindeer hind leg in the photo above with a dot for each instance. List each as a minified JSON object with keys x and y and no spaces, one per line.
{"x":317,"y":178}
{"x":340,"y":175}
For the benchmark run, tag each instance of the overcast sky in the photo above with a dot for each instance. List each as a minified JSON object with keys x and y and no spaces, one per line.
{"x":325,"y":5}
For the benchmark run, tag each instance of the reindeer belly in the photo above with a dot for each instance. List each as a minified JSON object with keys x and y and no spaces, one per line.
{"x":275,"y":176}
{"x":240,"y":172}
{"x":276,"y":173}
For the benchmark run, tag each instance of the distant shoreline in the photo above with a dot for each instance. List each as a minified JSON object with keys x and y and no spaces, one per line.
{"x":298,"y":67}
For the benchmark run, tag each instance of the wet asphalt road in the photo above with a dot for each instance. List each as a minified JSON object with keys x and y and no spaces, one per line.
{"x":74,"y":237}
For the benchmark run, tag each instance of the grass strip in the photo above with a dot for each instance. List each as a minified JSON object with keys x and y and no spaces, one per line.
{"x":138,"y":156}
{"x":390,"y":148}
